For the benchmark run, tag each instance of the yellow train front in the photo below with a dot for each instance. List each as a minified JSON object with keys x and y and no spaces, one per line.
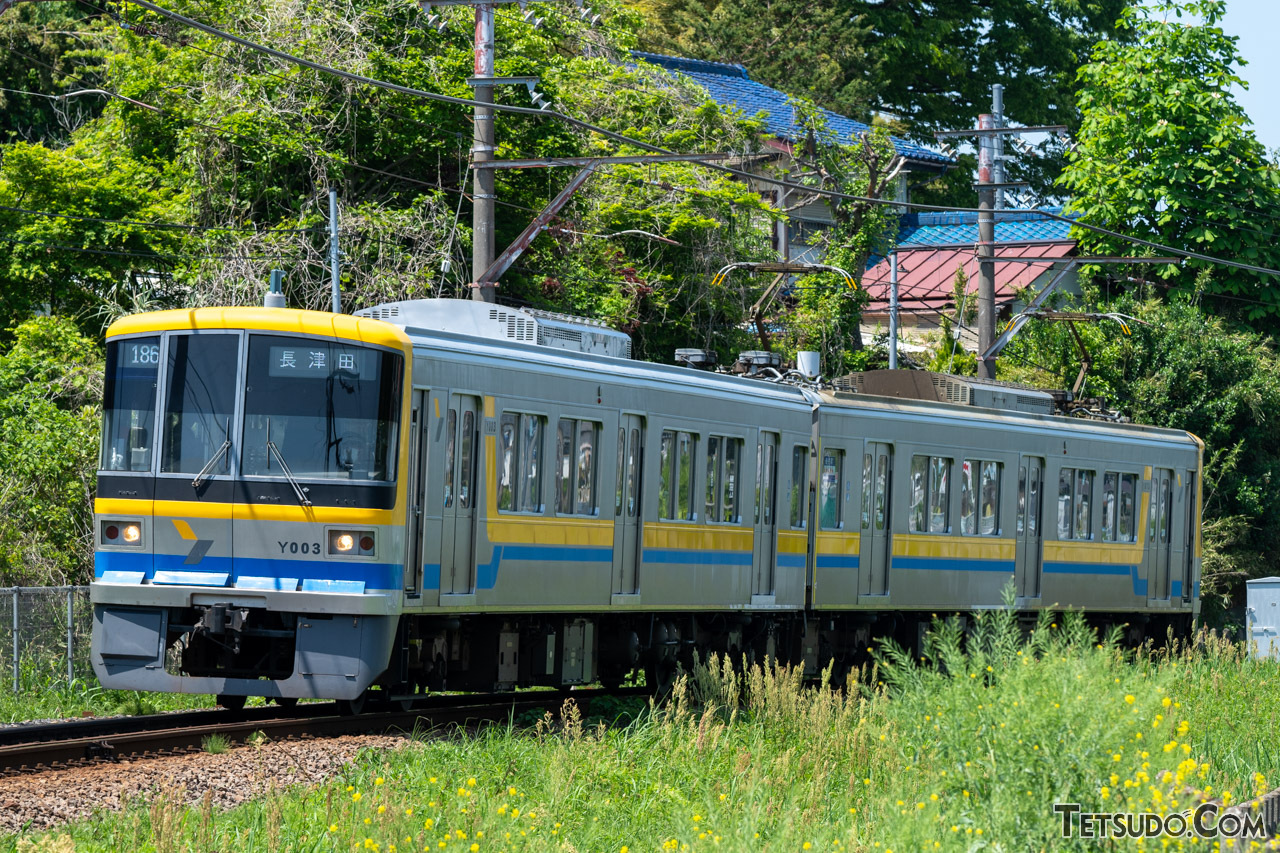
{"x":249,"y":517}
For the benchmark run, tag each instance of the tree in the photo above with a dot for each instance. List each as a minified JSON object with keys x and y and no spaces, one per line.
{"x":1165,"y":153}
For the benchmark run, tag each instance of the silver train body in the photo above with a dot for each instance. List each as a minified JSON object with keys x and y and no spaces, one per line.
{"x":506,"y":499}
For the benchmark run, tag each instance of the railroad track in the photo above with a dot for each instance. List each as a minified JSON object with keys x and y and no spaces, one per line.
{"x":25,"y":749}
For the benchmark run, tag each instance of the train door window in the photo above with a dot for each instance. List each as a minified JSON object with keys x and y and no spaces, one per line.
{"x":829,"y":515}
{"x":764,"y":483}
{"x":564,"y":467}
{"x":1020,"y":522}
{"x":1153,"y":509}
{"x":729,"y":479}
{"x":799,"y":481}
{"x":530,"y":463}
{"x":666,"y":456}
{"x":1166,"y":506}
{"x":866,"y":491}
{"x":1110,"y":487}
{"x":968,"y":504}
{"x":467,"y":477}
{"x":585,"y":490}
{"x":451,"y":435}
{"x":129,"y":404}
{"x":1126,"y":502}
{"x":686,"y":446}
{"x":712,"y":503}
{"x":919,"y":493}
{"x":1033,"y":502}
{"x":622,"y":468}
{"x":882,"y":490}
{"x":633,"y":474}
{"x":508,"y":470}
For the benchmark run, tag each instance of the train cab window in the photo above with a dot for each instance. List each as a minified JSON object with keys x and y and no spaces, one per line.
{"x":330,"y":410}
{"x":129,"y":404}
{"x":1075,"y":504}
{"x":576,"y":443}
{"x":520,"y":463}
{"x":201,"y":381}
{"x":675,"y":479}
{"x":829,"y":510}
{"x":980,"y":497}
{"x":799,"y":480}
{"x":930,"y":491}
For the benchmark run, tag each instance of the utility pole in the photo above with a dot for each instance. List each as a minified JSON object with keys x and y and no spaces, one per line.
{"x":991,"y":185}
{"x":893,"y":310}
{"x":483,"y":241}
{"x":334,"y":254}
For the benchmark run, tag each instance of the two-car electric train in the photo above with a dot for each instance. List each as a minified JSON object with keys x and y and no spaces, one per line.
{"x":443,"y":493}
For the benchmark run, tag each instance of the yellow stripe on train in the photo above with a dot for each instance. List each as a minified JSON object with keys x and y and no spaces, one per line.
{"x":951,"y":547}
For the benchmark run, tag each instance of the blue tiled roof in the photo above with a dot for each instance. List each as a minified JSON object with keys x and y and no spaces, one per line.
{"x":960,"y":229}
{"x":730,"y":85}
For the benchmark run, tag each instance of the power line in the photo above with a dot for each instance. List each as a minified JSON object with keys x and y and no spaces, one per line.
{"x":618,"y":137}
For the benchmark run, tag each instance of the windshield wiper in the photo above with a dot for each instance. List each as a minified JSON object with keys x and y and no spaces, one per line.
{"x":288,"y":475}
{"x":217,"y":454}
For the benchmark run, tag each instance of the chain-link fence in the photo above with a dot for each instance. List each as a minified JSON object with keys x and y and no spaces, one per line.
{"x":44,"y":635}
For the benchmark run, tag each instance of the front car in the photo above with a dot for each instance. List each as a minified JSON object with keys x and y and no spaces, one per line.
{"x":251,"y":503}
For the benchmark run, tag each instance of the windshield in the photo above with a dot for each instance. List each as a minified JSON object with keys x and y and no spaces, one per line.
{"x":331,"y":408}
{"x":129,"y":404}
{"x":200,"y":378}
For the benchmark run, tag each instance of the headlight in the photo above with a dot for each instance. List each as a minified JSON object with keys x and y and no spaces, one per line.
{"x":352,"y":543}
{"x":122,"y":533}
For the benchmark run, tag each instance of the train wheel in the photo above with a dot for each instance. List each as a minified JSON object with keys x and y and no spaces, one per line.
{"x":230,"y":702}
{"x":353,"y":707}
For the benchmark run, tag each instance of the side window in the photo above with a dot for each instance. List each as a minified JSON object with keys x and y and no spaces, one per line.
{"x":588,"y":441}
{"x":799,"y":484}
{"x":675,"y":483}
{"x":731,"y":512}
{"x":451,"y":433}
{"x":980,"y":504}
{"x":520,"y":462}
{"x":1075,"y":504}
{"x":829,"y":514}
{"x":575,"y":467}
{"x":930,"y":492}
{"x":1084,"y":504}
{"x":1127,"y":530}
{"x":1065,"y":478}
{"x":1110,"y":488}
{"x":508,"y":469}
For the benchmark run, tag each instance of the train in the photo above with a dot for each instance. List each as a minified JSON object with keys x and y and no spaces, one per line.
{"x":448,"y":494}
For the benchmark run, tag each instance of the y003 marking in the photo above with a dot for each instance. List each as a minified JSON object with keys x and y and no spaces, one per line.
{"x":299,"y":547}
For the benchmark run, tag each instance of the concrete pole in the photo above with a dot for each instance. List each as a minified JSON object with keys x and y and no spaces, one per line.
{"x":893,"y":310}
{"x":333,"y":251}
{"x":997,"y":115}
{"x":986,"y":252}
{"x":483,"y":246}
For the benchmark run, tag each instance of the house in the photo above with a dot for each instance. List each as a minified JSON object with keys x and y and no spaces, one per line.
{"x":933,"y":247}
{"x":731,"y":86}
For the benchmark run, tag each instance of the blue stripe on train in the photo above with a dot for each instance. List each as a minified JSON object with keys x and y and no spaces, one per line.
{"x":952,"y":564}
{"x":1104,"y":570}
{"x":259,"y":573}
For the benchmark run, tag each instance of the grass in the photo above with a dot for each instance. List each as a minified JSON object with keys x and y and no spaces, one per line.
{"x":964,"y":749}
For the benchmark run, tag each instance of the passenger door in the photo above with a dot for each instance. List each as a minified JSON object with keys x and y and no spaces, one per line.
{"x":626,"y":508}
{"x":1028,"y":527}
{"x":1159,"y":534}
{"x":458,"y":480}
{"x":417,"y":495}
{"x":876,"y":523}
{"x":764,"y":557}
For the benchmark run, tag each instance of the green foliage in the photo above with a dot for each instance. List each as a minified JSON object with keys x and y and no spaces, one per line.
{"x":50,"y":392}
{"x":1166,"y":154}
